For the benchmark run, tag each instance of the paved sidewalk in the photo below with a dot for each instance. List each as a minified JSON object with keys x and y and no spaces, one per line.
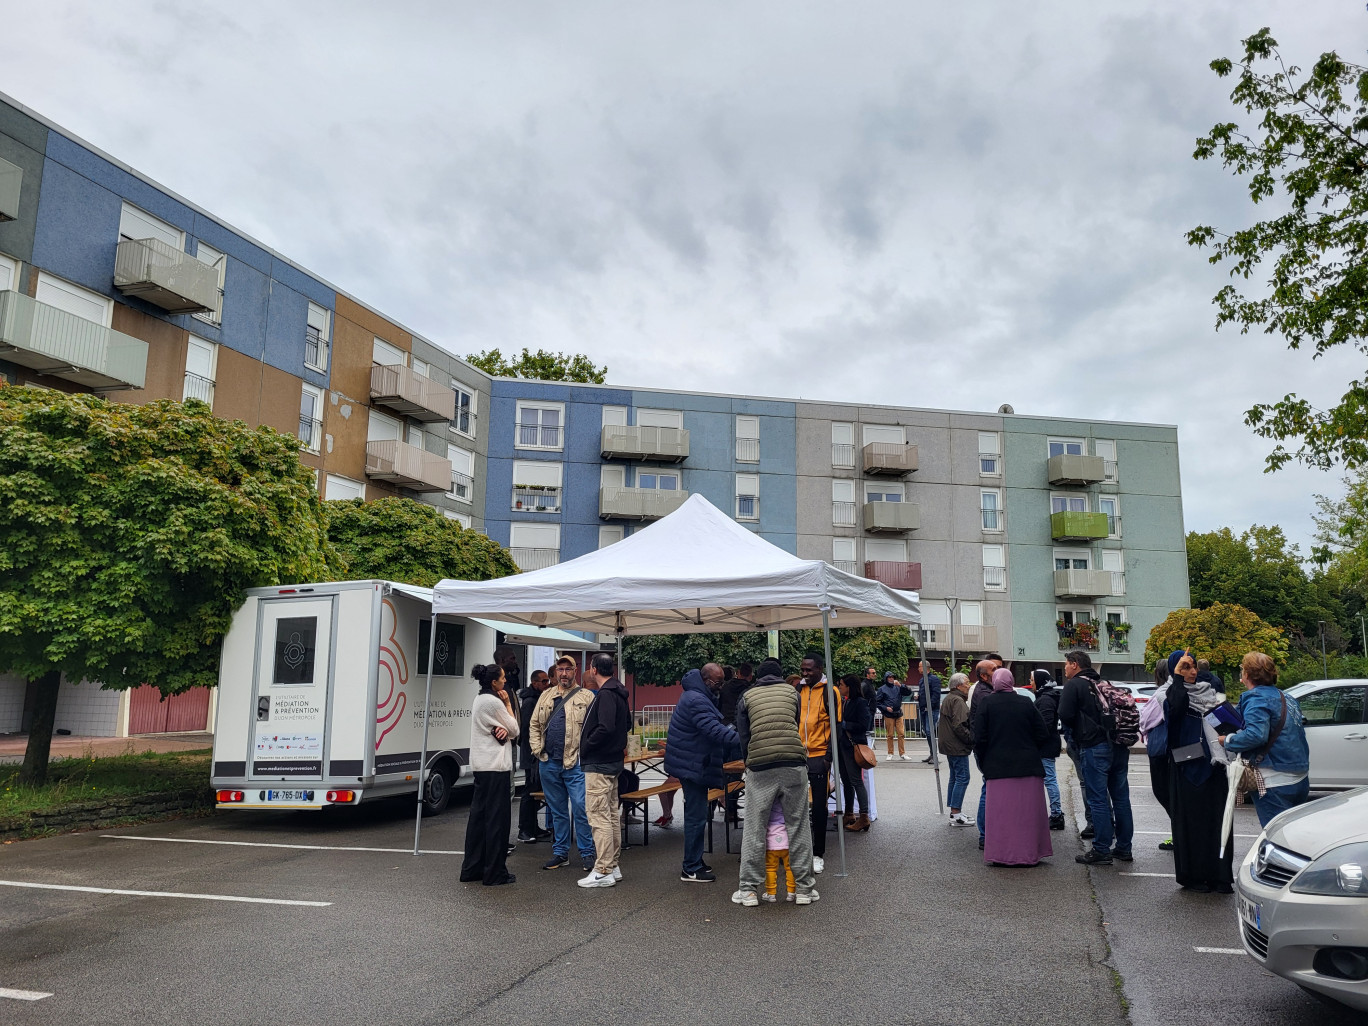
{"x":67,"y":746}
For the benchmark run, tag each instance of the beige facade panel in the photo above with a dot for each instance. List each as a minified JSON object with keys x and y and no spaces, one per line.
{"x":354,"y":332}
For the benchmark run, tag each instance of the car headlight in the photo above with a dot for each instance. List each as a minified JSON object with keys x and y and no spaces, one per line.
{"x":1341,"y":873}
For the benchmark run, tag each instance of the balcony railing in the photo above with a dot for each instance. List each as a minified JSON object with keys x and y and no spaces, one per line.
{"x":534,"y":559}
{"x":639,"y":503}
{"x":848,"y":565}
{"x":1118,"y":640}
{"x":748,"y":450}
{"x":1072,"y":525}
{"x":310,"y":433}
{"x":968,"y":638}
{"x":990,"y":464}
{"x":197,"y":386}
{"x":843,"y":514}
{"x":994,"y":519}
{"x":635,"y":442}
{"x":461,"y":485}
{"x":315,"y":348}
{"x":1085,"y":583}
{"x":544,"y":499}
{"x":415,"y":395}
{"x":748,"y":507}
{"x":165,"y":276}
{"x":407,"y":466}
{"x":994,"y":578}
{"x":11,"y":184}
{"x":886,"y":517}
{"x":1085,"y":636}
{"x":907,"y":576}
{"x":843,"y":455}
{"x":540,"y":436}
{"x":1113,"y":526}
{"x":1071,"y":469}
{"x":1109,"y":470}
{"x":889,"y":458}
{"x":52,"y":341}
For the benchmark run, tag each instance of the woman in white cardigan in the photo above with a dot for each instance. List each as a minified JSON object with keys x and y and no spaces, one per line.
{"x":492,"y":729}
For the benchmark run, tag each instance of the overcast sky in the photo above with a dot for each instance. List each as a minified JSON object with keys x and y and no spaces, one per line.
{"x":941,"y":205}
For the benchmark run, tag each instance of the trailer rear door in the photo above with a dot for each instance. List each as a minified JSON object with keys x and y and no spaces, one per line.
{"x":290,"y":694}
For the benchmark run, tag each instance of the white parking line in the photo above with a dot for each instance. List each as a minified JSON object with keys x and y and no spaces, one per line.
{"x":1219,"y":951}
{"x":1168,"y":876}
{"x":162,"y":894}
{"x":23,"y":995}
{"x":267,"y":844}
{"x":1169,"y":833}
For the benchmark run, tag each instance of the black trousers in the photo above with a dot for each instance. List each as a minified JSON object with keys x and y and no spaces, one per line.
{"x":528,"y":807}
{"x":486,"y":840}
{"x":819,"y":772}
{"x":852,"y":783}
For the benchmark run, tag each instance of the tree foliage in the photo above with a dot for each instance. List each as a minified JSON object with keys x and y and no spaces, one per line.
{"x":1261,"y":571}
{"x":397,"y":539}
{"x":540,"y":366}
{"x":1221,"y":633}
{"x":1308,"y":153}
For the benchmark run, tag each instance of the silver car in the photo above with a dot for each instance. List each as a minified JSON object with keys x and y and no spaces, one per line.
{"x":1302,"y":893}
{"x":1333,"y":713}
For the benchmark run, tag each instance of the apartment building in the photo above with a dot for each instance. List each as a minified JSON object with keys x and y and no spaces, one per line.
{"x":1025,"y":536}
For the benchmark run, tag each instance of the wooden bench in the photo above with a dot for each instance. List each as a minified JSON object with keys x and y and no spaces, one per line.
{"x":717,"y":796}
{"x":641,"y":802}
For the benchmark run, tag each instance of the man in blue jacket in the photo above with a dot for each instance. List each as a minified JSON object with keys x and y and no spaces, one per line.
{"x":693,"y":753}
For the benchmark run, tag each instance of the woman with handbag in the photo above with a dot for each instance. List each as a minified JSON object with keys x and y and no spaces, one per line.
{"x":1273,"y":740}
{"x":1202,"y":859}
{"x":857,"y":719}
{"x":492,"y":727}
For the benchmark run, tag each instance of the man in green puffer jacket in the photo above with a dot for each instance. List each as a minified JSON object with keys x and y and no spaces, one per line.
{"x":776,"y":770}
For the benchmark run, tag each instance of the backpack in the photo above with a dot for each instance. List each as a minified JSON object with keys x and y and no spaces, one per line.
{"x":1120,"y":717}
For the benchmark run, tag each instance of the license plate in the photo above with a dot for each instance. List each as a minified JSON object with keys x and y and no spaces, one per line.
{"x":289,"y":796}
{"x":1251,"y":912}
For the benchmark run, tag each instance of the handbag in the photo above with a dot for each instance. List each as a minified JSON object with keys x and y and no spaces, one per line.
{"x":1250,"y":777}
{"x":1188,"y":753}
{"x":864,"y":757}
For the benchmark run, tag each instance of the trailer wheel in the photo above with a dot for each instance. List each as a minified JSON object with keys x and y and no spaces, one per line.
{"x":438,"y":793}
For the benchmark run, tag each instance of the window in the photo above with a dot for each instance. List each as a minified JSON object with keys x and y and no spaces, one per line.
{"x":139,"y":224}
{"x":383,"y":428}
{"x":886,"y":550}
{"x":73,"y":299}
{"x":316,"y":335}
{"x":339,"y":487}
{"x":534,"y":546}
{"x":1118,"y":630}
{"x":610,"y":536}
{"x":1066,"y":447}
{"x":387,"y":355}
{"x":665,"y":482}
{"x":1106,"y":448}
{"x":995,"y":568}
{"x":615,"y":416}
{"x":747,"y":439}
{"x":990,"y":508}
{"x":9,"y":274}
{"x":1074,"y":617}
{"x":539,"y":425}
{"x":843,"y":554}
{"x":421,"y":367}
{"x":464,"y":420}
{"x":296,"y":643}
{"x":893,"y":434}
{"x":660,"y":418}
{"x":461,"y":518}
{"x":843,"y":445}
{"x":201,"y":359}
{"x":1332,"y":706}
{"x":311,"y":417}
{"x":883,"y":492}
{"x":449,"y":658}
{"x":1111,"y":505}
{"x":536,"y":486}
{"x":1114,"y":561}
{"x":462,"y":473}
{"x":209,"y":255}
{"x":1072,"y":559}
{"x":1068,"y":504}
{"x":843,"y":503}
{"x":747,"y":497}
{"x":971,"y":614}
{"x":990,"y":453}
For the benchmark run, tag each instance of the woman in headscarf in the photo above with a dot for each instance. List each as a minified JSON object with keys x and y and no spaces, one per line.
{"x":1197,"y":780}
{"x":1155,"y":735}
{"x":1010,"y":740}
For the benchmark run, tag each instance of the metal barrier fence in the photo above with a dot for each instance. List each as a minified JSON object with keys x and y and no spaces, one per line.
{"x":653,"y":721}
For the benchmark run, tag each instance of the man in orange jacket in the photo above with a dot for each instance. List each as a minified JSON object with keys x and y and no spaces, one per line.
{"x":814,"y":727}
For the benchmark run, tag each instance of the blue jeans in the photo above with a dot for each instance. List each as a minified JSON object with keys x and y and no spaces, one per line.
{"x":959,"y":780}
{"x":983,"y":809}
{"x":1280,"y":799}
{"x":564,"y":790}
{"x":1105,"y":781}
{"x":1052,"y":787}
{"x":929,"y":728}
{"x":695,"y":822}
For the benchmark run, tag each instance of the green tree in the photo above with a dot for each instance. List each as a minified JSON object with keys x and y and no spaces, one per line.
{"x":131,"y":533}
{"x":540,"y":366}
{"x":1221,"y":633}
{"x":1309,"y":156}
{"x":396,"y":539}
{"x":1261,"y":571}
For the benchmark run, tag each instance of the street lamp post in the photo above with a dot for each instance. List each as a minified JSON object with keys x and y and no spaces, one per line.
{"x":951,"y":604}
{"x":1325,"y":665}
{"x":1363,"y":634}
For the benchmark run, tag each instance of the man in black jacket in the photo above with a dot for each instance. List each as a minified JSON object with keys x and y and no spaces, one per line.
{"x":602,"y":743}
{"x":528,"y":831}
{"x":928,"y":700}
{"x":1047,"y":704}
{"x":1105,"y":764}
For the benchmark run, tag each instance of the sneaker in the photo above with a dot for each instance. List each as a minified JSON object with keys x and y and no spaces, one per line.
{"x":771,"y":898}
{"x":556,"y":861}
{"x":1166,"y":845}
{"x":1093,"y":857}
{"x":1057,"y":821}
{"x":587,"y":863}
{"x":906,"y":758}
{"x":664,"y":821}
{"x":702,"y":876}
{"x":526,"y":838}
{"x":818,"y":863}
{"x":746,"y":898}
{"x":959,"y":819}
{"x":1088,"y":833}
{"x":927,"y":760}
{"x":545,"y":835}
{"x":1122,"y":856}
{"x":790,"y":896}
{"x":617,"y":873}
{"x":597,"y":880}
{"x":806,"y":899}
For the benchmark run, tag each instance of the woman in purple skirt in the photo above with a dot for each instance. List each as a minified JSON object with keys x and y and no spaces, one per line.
{"x":1010,"y":739}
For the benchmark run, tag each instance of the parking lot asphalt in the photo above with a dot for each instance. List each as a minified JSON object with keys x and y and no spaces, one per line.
{"x":919,"y":932}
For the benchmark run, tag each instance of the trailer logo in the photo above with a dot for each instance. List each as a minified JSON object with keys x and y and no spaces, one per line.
{"x":394,"y":665}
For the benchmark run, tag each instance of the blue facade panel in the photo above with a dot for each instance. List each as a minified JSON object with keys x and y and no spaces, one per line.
{"x":78,"y":228}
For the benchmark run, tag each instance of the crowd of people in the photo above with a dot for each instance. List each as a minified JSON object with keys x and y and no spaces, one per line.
{"x":571,"y":732}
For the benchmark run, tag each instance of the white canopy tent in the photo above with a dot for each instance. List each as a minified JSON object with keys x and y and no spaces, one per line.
{"x":694,"y":571}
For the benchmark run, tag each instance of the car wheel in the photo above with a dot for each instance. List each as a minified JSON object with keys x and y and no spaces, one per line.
{"x":438,"y":794}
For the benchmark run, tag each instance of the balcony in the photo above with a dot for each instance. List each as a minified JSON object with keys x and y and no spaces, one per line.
{"x":1068,"y":469}
{"x":847,"y":565}
{"x":407,"y":466}
{"x":905,"y":576}
{"x":884,"y":517}
{"x":666,"y":445}
{"x":1082,"y":635}
{"x":994,"y":578}
{"x":639,"y":503}
{"x":536,"y":498}
{"x":1083,"y":583}
{"x":55,"y":342}
{"x":534,"y":559}
{"x":842,"y":514}
{"x":968,"y":638}
{"x":412,"y":394}
{"x":1072,"y":525}
{"x":11,"y":182}
{"x":197,"y":386}
{"x":843,"y":455}
{"x":311,"y":433}
{"x":748,"y":450}
{"x":164,"y":276}
{"x":889,"y":458}
{"x":993,"y":519}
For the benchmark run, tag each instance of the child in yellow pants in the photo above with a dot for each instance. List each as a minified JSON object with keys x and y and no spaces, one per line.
{"x":776,"y":855}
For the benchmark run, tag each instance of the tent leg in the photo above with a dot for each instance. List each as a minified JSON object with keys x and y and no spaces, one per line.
{"x":832,"y":746}
{"x":422,"y":755}
{"x":931,"y":728}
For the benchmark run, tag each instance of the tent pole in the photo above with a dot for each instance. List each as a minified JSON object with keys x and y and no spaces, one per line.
{"x":832,"y":746}
{"x":422,"y":755}
{"x":930,"y":722}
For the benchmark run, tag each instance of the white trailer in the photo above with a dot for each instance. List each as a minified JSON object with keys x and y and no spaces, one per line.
{"x":321,"y":691}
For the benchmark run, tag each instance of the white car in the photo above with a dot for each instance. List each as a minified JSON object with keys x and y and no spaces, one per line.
{"x":1142,"y":693}
{"x":1333,"y":712}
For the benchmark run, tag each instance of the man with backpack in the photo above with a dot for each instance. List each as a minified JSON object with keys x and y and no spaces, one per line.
{"x":1104,"y":724}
